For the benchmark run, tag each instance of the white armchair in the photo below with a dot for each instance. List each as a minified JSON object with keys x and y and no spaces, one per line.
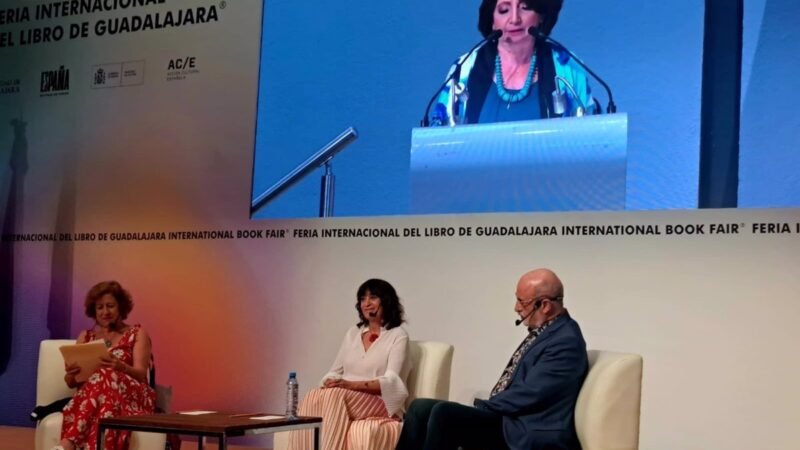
{"x":607,"y":412}
{"x":429,"y":377}
{"x":50,"y":387}
{"x":430,"y":370}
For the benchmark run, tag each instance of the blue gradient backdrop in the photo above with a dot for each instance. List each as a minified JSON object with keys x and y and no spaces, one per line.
{"x":769,"y":163}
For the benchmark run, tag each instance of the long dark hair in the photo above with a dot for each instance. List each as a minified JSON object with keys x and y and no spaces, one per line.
{"x":548,"y":9}
{"x":390,"y":302}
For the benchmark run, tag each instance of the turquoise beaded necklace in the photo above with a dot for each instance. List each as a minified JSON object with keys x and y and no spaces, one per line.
{"x":501,"y":89}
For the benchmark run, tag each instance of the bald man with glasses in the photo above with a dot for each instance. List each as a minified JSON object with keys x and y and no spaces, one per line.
{"x":532,"y":405}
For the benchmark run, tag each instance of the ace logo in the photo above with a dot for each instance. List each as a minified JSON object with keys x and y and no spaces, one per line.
{"x":182,"y":63}
{"x":179,"y":69}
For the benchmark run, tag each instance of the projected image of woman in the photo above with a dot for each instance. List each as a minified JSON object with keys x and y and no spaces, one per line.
{"x":513,"y":77}
{"x":363,"y":395}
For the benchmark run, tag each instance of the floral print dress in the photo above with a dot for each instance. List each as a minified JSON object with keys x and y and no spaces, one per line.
{"x":107,"y":393}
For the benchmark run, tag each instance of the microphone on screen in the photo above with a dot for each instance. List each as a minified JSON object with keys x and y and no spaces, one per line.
{"x":456,"y":74}
{"x":612,"y":107}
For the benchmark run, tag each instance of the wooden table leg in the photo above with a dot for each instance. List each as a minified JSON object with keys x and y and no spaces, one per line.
{"x":101,"y":431}
{"x":223,"y":441}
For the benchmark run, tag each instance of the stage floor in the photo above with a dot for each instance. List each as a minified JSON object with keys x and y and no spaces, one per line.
{"x":21,"y":438}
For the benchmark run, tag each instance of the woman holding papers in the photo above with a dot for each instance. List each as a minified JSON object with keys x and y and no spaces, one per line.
{"x":513,"y":75}
{"x":119,"y":387}
{"x":363,"y":395}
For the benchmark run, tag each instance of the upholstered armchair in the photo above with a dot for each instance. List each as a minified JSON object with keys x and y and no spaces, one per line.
{"x":50,"y":387}
{"x":607,"y":412}
{"x":430,"y":372}
{"x":429,"y":378}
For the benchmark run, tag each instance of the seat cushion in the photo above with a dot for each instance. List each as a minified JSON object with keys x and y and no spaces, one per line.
{"x":146,"y":441}
{"x":48,"y":432}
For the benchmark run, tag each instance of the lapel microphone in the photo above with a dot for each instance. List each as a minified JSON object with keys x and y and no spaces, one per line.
{"x":536,"y":306}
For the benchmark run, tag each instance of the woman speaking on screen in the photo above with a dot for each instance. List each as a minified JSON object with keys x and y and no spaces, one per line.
{"x":513,"y":75}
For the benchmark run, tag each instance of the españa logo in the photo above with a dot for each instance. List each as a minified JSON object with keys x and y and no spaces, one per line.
{"x":54,"y":82}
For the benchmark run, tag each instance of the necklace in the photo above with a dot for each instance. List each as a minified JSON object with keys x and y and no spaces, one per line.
{"x":106,"y":339}
{"x":107,"y":336}
{"x":503,"y":93}
{"x":373,"y":337}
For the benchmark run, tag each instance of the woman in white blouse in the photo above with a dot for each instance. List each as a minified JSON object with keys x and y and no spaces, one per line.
{"x":362,"y":397}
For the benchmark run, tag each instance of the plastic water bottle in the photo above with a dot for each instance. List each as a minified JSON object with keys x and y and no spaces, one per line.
{"x":291,"y":395}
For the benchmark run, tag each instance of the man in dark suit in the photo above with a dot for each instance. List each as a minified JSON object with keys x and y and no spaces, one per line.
{"x":532,"y":406}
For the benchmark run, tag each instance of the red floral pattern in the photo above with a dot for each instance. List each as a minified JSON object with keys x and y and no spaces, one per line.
{"x":107,"y":393}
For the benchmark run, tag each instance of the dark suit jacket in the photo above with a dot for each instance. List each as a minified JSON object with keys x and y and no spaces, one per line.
{"x":538,"y":407}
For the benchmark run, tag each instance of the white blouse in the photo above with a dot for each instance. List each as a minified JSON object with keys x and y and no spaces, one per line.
{"x":386,"y":360}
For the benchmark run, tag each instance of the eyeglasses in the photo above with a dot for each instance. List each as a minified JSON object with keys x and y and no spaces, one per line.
{"x":538,"y":301}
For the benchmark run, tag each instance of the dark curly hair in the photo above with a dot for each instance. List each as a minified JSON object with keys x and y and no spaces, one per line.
{"x":112,"y":288}
{"x":390,"y":302}
{"x":548,"y":9}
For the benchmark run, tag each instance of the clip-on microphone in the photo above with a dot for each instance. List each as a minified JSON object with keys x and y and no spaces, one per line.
{"x":522,"y":319}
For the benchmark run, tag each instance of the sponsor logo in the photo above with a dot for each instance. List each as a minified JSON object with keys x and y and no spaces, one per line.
{"x":54,"y":82}
{"x":99,"y":77}
{"x":179,"y":69}
{"x":110,"y":75}
{"x":8,"y":87}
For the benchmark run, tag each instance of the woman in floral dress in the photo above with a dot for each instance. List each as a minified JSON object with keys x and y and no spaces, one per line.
{"x":118,"y":388}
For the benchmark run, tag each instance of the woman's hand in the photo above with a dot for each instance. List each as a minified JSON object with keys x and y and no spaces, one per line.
{"x":339,"y":383}
{"x":335,"y":382}
{"x":114,"y":363}
{"x":344,"y":384}
{"x":72,"y":371}
{"x":362,"y":386}
{"x":332,"y":383}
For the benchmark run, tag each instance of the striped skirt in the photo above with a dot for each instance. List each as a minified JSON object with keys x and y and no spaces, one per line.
{"x":351,"y":420}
